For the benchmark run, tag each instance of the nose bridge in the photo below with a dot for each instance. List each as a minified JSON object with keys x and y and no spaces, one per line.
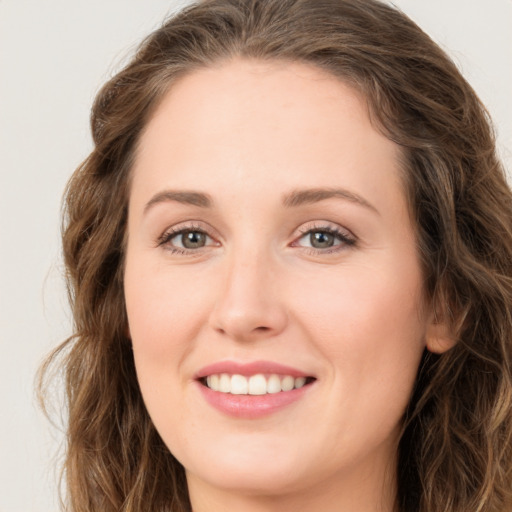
{"x":249,"y":303}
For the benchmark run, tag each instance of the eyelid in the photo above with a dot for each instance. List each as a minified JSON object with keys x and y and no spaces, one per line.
{"x":345,"y":236}
{"x":163,"y":240}
{"x":321,"y":225}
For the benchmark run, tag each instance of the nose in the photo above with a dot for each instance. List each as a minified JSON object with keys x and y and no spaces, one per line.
{"x":250,"y":302}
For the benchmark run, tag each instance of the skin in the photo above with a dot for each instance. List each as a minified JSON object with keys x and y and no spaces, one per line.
{"x":249,"y":133}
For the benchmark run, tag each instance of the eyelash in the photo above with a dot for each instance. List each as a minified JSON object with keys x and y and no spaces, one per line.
{"x":346,"y":240}
{"x":167,"y":236}
{"x":344,"y":237}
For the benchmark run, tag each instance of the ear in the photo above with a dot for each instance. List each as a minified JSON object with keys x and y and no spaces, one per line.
{"x":441,"y":334}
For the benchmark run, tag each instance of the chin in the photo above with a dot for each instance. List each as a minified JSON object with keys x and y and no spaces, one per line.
{"x":266,"y":481}
{"x":259,"y":471}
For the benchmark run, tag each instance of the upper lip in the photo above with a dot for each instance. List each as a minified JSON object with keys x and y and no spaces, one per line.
{"x":248,"y":369}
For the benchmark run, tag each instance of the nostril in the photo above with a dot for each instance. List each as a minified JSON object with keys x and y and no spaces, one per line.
{"x":262,"y":329}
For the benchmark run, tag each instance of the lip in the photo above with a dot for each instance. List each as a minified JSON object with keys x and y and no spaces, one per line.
{"x":251,"y":406}
{"x":248,"y":369}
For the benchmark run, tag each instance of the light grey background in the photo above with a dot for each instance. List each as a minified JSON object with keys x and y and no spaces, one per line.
{"x":54,"y":55}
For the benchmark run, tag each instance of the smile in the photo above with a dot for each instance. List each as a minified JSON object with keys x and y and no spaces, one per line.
{"x":258,"y":384}
{"x":254,"y":389}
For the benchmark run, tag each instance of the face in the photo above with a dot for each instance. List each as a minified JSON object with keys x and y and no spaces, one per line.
{"x":272,"y":282}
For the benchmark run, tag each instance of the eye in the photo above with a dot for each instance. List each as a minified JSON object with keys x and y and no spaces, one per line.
{"x":184,"y":240}
{"x":325,"y":239}
{"x":321,"y":239}
{"x":190,"y":239}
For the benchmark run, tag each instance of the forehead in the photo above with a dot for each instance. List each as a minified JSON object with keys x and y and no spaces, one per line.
{"x":250,"y":93}
{"x":254,"y":122}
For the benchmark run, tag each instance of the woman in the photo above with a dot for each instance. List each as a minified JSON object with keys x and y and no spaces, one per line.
{"x":290,"y":261}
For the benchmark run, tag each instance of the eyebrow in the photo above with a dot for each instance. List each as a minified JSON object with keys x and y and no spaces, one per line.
{"x":180,"y":196}
{"x":314,"y":195}
{"x":291,"y":200}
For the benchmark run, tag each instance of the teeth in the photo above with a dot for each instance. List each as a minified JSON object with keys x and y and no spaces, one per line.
{"x":288,"y":383}
{"x":300,"y":381}
{"x":214,"y":381}
{"x":239,"y":385}
{"x":255,"y":385}
{"x":273,"y":384}
{"x":224,"y":383}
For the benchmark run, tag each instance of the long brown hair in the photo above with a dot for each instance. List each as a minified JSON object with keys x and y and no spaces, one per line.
{"x":455,"y":452}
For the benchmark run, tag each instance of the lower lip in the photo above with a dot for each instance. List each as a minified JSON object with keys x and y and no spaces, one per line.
{"x":252,"y":406}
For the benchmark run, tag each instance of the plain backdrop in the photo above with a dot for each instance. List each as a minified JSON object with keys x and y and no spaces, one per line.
{"x":54,"y":55}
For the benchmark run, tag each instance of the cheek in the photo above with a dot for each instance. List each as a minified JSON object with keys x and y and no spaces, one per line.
{"x":364,"y":302}
{"x":165,"y":310}
{"x":366,"y":322}
{"x":164,"y":315}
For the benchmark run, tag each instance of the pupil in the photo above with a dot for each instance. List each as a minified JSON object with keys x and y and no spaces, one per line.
{"x":321,"y":239}
{"x":193,"y":239}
